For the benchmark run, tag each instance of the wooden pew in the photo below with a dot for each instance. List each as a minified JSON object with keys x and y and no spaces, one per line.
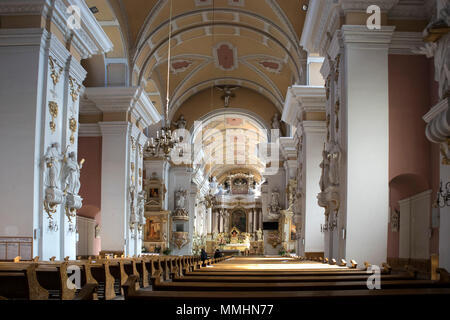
{"x":219,"y":296}
{"x":293,"y":286}
{"x":272,"y":279}
{"x":19,"y":281}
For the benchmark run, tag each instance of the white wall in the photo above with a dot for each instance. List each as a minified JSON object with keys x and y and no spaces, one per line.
{"x":415,"y":226}
{"x":315,"y":135}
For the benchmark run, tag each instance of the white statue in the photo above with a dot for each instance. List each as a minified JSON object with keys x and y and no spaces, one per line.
{"x":141,"y":199}
{"x":334,"y":156}
{"x":180,"y":123}
{"x":213,"y":186}
{"x":72,"y":174}
{"x":274,"y":207}
{"x":259,"y":235}
{"x":227,"y":94}
{"x":276,"y":122}
{"x":52,"y":160}
{"x":325,"y":165}
{"x":180,"y":197}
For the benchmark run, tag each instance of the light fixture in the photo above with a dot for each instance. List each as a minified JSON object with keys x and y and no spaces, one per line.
{"x":305,"y":7}
{"x":165,"y":140}
{"x":443,"y":198}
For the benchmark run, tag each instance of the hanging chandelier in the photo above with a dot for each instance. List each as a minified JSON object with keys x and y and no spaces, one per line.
{"x":166,"y":140}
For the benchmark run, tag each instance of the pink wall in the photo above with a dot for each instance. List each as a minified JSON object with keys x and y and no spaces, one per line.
{"x":90,"y":148}
{"x":413,"y":160}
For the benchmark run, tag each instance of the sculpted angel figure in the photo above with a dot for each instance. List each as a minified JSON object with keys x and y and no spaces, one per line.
{"x":72,"y":174}
{"x":276,"y":122}
{"x":275,"y":202}
{"x":52,"y":160}
{"x":325,"y":165}
{"x":227,"y":94}
{"x":180,"y":199}
{"x":141,"y":199}
{"x":180,"y":123}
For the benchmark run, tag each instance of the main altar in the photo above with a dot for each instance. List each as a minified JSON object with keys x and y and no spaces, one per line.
{"x":234,"y":241}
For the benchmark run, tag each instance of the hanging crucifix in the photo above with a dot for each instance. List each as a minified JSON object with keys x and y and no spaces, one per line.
{"x":227,"y":94}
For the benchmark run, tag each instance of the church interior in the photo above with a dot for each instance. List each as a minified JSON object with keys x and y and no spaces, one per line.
{"x":207,"y":150}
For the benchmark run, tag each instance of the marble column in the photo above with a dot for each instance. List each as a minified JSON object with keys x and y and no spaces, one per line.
{"x":122,"y":163}
{"x":366,"y":178}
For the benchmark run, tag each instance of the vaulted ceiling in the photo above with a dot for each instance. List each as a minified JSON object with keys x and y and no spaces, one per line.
{"x":249,"y":43}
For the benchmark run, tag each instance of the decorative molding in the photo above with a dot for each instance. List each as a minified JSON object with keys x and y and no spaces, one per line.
{"x":362,"y":5}
{"x":234,"y":53}
{"x":370,"y":38}
{"x":114,"y":128}
{"x":406,"y":43}
{"x":300,"y":99}
{"x":89,"y":130}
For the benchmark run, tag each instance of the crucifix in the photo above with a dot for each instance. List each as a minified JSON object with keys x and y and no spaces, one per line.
{"x":227,"y":93}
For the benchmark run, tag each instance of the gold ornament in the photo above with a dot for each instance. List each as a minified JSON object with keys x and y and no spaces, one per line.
{"x":53,"y":109}
{"x":74,"y":92}
{"x":73,"y":129}
{"x":54,"y":73}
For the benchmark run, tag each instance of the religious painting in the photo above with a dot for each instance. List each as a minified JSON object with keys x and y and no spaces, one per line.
{"x":153,"y":193}
{"x":293,"y":232}
{"x":239,"y":220}
{"x":152,"y":231}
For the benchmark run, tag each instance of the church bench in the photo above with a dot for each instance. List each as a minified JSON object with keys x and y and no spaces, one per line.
{"x":281,"y":273}
{"x":53,"y":276}
{"x":275,"y":279}
{"x":101,"y":273}
{"x":34,"y":280}
{"x":19,"y":281}
{"x":293,"y":286}
{"x":307,"y":295}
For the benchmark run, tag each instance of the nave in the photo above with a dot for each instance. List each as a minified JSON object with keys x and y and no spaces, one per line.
{"x":187,"y":278}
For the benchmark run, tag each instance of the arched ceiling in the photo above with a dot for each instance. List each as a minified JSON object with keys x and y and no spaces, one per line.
{"x":230,"y":141}
{"x":250,"y":43}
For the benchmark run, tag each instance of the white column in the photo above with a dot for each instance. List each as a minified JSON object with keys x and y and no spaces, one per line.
{"x":367,"y":142}
{"x":115,"y":160}
{"x":314,"y":133}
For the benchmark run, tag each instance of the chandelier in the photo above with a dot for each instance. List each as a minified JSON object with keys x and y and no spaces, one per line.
{"x":166,"y":140}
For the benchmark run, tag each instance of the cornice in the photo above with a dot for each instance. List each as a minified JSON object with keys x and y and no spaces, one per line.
{"x":412,"y":10}
{"x":300,"y":99}
{"x":114,"y":128}
{"x":361,"y":35}
{"x":23,"y":37}
{"x":144,"y":110}
{"x":362,"y":5}
{"x":112,"y":99}
{"x":89,"y":40}
{"x":406,"y":43}
{"x":89,"y":130}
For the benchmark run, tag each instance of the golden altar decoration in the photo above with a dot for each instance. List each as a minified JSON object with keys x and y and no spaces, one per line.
{"x":239,"y":241}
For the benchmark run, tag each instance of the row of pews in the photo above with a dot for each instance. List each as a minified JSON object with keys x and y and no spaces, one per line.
{"x":91,"y":279}
{"x":249,"y":284}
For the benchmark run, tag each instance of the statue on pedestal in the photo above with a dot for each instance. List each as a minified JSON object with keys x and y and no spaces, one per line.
{"x":52,"y":161}
{"x":274,"y":207}
{"x":325,"y":165}
{"x":276,"y":122}
{"x":72,"y":174}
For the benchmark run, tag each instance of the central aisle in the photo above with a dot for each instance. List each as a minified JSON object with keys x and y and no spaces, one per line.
{"x":270,"y":263}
